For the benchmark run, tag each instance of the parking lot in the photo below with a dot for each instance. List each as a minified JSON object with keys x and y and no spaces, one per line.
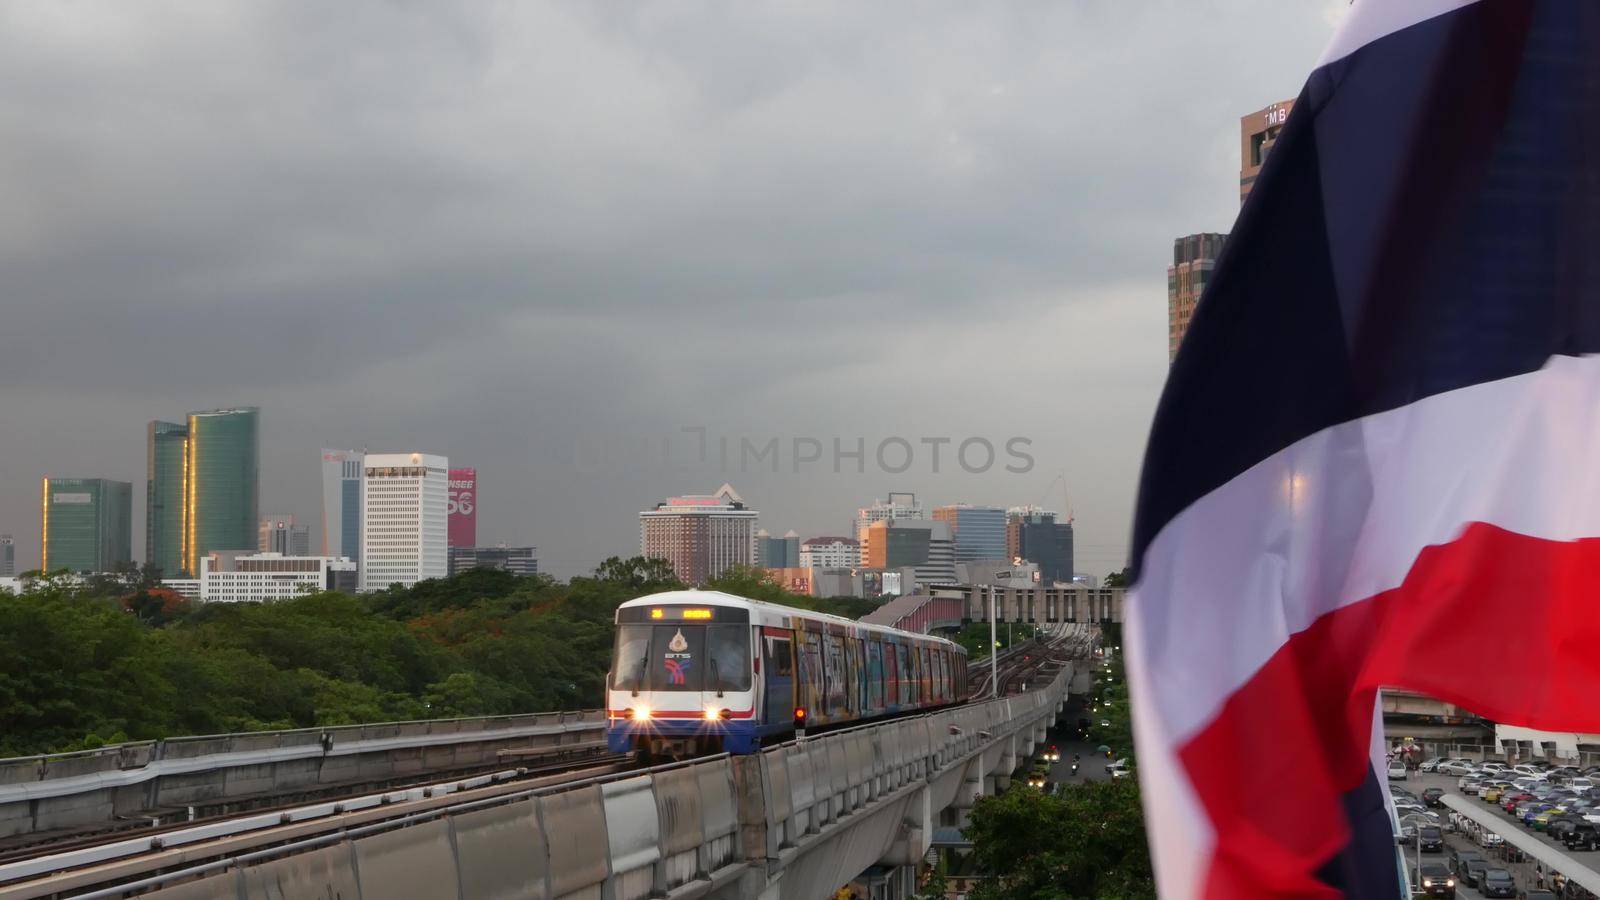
{"x":1464,"y":835}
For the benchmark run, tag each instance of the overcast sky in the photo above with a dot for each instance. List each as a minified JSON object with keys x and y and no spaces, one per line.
{"x":545,"y":238}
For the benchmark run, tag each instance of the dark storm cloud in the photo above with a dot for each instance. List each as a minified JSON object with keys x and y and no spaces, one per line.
{"x":473,"y":227}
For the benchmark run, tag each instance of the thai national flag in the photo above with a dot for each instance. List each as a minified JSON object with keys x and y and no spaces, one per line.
{"x":1377,"y":459}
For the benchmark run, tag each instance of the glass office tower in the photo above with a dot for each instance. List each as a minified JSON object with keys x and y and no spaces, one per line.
{"x":221,"y":483}
{"x":166,"y":446}
{"x":87,"y":524}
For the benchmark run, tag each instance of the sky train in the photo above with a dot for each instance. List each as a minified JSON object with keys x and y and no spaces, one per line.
{"x":696,"y":672}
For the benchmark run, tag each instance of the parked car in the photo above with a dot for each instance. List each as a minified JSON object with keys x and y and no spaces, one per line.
{"x":1528,"y":771}
{"x":1490,"y":839}
{"x":1437,"y":880}
{"x":1455,"y":767}
{"x":1581,"y":783}
{"x":1397,"y":769}
{"x":1583,"y":836}
{"x":1430,"y":839}
{"x":1497,"y":883}
{"x":1432,"y":797}
{"x":1120,"y":769}
{"x":1428,"y":765}
{"x":1532,"y":810}
{"x":1493,"y":765}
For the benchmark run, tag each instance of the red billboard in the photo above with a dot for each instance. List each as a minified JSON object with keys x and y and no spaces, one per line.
{"x":463,"y":508}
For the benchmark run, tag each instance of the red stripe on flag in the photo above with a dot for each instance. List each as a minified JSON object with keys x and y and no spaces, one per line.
{"x":1502,"y":624}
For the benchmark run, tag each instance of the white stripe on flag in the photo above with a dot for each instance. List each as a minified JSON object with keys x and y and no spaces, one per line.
{"x":1369,"y":20}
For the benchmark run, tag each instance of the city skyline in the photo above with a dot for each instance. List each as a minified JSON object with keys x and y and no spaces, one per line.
{"x":400,"y":290}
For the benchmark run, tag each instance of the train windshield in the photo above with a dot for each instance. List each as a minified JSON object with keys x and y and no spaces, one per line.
{"x":682,"y":657}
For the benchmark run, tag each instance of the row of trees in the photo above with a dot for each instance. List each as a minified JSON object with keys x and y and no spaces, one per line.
{"x":113,"y":660}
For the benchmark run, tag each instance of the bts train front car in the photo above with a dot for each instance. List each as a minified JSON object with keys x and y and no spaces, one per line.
{"x":698,"y":672}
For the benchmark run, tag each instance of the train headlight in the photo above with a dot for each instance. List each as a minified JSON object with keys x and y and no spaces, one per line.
{"x":716,"y":715}
{"x":641,"y":713}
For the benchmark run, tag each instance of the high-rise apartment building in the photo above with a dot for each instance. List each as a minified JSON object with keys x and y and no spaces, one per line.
{"x":979,"y":531}
{"x":166,"y":450}
{"x":1257,"y":133}
{"x":700,"y":536}
{"x":86,"y":525}
{"x":8,"y":556}
{"x":829,"y":552}
{"x":1036,"y":536}
{"x":777,"y":552}
{"x":341,"y":503}
{"x":1194,"y":257}
{"x":221,"y":483}
{"x":280,"y":534}
{"x":404,"y":516}
{"x":516,"y":560}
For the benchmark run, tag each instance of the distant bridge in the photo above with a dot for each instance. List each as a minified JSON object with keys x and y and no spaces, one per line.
{"x":951,"y":607}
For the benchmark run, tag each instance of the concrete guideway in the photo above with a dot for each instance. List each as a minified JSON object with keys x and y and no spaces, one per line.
{"x":100,"y":788}
{"x":797,"y":821}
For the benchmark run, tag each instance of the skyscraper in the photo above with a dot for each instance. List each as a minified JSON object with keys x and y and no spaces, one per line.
{"x":1257,"y":133}
{"x":1193,"y":258}
{"x":979,"y":531}
{"x":166,"y":450}
{"x":777,"y":552}
{"x":404,"y":512}
{"x":280,"y":534}
{"x":221,"y":483}
{"x":341,"y":503}
{"x":463,"y":508}
{"x":700,"y":535}
{"x":898,"y":506}
{"x":1035,"y":536}
{"x":86,"y":524}
{"x":8,"y":556}
{"x":926,"y":545}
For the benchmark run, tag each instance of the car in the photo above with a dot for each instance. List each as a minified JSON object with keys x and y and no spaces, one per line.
{"x":1541,"y":820}
{"x":1581,"y":783}
{"x":1430,"y":839}
{"x":1398,"y":770}
{"x":1529,"y":771}
{"x":1559,"y":826}
{"x":1433,"y":796}
{"x":1490,"y":839}
{"x":1455,"y":767}
{"x":1437,"y":880}
{"x":1497,"y":883}
{"x":1533,"y":810}
{"x":1583,"y":836}
{"x":1458,"y":859}
{"x":1432,"y":763}
{"x":1472,"y":872}
{"x":1512,"y":798}
{"x":1053,"y":754}
{"x":1494,"y":765}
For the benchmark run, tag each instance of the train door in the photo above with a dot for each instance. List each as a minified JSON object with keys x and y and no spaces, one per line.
{"x":777,"y":650}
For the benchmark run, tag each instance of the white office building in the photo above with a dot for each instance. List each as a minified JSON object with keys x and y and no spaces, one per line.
{"x":404,"y":519}
{"x":830,"y":553}
{"x":227,"y":577}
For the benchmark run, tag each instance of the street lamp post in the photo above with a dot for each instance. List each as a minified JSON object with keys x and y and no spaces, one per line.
{"x":994,"y":650}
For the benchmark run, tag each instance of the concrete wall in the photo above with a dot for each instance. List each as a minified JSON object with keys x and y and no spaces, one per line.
{"x":795,"y":822}
{"x":162,"y":778}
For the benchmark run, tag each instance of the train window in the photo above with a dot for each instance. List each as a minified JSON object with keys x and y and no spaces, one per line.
{"x":630,"y":661}
{"x":780,"y":663}
{"x":727,"y":658}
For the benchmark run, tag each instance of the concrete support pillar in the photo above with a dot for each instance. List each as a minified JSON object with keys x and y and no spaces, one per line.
{"x":1008,"y":763}
{"x":915,"y":833}
{"x":972,"y":784}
